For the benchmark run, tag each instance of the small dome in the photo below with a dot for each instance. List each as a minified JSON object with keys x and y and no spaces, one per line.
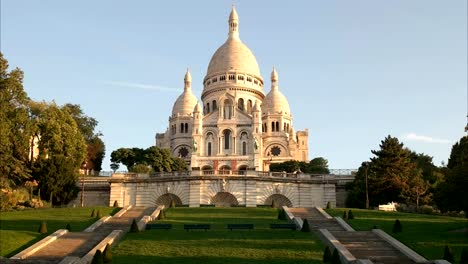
{"x":275,"y":102}
{"x":197,"y":108}
{"x":185,"y":103}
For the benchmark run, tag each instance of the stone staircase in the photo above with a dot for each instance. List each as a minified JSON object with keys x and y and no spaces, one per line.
{"x":361,"y":244}
{"x":80,"y":243}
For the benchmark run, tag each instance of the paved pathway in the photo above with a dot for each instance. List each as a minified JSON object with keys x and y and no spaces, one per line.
{"x":362,"y":244}
{"x":80,"y":243}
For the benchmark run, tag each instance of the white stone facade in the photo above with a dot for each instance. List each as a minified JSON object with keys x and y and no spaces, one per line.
{"x":237,"y":126}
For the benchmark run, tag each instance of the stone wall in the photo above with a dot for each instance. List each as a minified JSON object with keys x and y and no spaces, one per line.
{"x":246,"y":191}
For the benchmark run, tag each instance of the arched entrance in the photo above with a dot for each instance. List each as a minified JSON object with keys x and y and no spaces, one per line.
{"x":224,"y":199}
{"x":166,"y":200}
{"x":280,"y":200}
{"x":224,"y":169}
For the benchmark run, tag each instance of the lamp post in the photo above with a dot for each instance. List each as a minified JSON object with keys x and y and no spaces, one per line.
{"x":82,"y":184}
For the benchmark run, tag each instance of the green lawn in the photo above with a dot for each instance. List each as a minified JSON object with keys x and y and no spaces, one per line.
{"x":219,"y":245}
{"x":426,"y":234}
{"x":18,"y":229}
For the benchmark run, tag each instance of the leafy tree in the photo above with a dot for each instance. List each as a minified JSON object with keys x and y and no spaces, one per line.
{"x":14,"y":126}
{"x":86,"y":125}
{"x":318,"y":165}
{"x":287,"y":166}
{"x":62,"y":150}
{"x":459,"y":154}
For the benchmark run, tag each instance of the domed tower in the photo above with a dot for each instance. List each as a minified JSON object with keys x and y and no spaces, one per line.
{"x":232,"y":86}
{"x":279,"y":138}
{"x":178,"y":138}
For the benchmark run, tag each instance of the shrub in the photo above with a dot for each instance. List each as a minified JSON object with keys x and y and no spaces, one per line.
{"x":397,"y":227}
{"x":68,"y":227}
{"x":173,"y":204}
{"x":335,"y":259}
{"x":93,"y":213}
{"x":464,"y":256}
{"x":273,"y":204}
{"x":350,"y":215}
{"x":305,"y":226}
{"x":162,"y":215}
{"x":43,"y":228}
{"x":329,"y":206}
{"x":134,"y":227}
{"x":97,"y":259}
{"x":107,"y":254}
{"x":345,"y":215}
{"x":374,"y":227}
{"x":448,"y":254}
{"x":116,"y":204}
{"x":327,"y":255}
{"x":98,"y":214}
{"x":282,"y":214}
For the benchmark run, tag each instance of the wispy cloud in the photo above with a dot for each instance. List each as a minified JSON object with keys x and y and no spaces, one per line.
{"x":426,"y":139}
{"x":143,"y":86}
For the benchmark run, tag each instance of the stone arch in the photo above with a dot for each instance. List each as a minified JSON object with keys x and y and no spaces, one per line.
{"x":284,"y":149}
{"x":182,"y":151}
{"x":207,"y":167}
{"x":167,"y":198}
{"x":224,"y":199}
{"x":279,"y":199}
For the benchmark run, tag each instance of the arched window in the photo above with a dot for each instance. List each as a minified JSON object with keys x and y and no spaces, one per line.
{"x":244,"y":148}
{"x":277,"y":126}
{"x":249,"y":106}
{"x":227,"y":109}
{"x":186,"y":127}
{"x":181,"y":127}
{"x":240,"y":104}
{"x":209,"y":149}
{"x":272,"y":126}
{"x":207,"y":108}
{"x":215,"y":106}
{"x":209,"y":143}
{"x":227,"y":138}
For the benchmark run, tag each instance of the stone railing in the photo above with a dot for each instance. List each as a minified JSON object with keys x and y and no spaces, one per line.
{"x":232,"y":173}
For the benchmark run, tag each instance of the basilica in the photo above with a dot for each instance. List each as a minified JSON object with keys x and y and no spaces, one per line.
{"x":237,"y":125}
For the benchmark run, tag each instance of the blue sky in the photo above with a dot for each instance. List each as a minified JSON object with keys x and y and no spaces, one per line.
{"x":353,"y":71}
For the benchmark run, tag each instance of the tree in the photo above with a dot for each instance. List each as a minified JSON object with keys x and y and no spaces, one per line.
{"x":451,"y":195}
{"x":14,"y":127}
{"x":392,"y":167}
{"x":318,"y":165}
{"x":95,"y":146}
{"x":62,"y":150}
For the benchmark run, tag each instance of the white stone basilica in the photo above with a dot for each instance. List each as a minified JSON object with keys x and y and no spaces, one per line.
{"x":239,"y":127}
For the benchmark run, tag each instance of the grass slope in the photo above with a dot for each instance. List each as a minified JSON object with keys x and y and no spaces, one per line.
{"x":426,"y":234}
{"x":220,"y":245}
{"x":18,"y":229}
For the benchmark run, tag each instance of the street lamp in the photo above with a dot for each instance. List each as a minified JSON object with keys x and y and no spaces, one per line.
{"x":82,"y":184}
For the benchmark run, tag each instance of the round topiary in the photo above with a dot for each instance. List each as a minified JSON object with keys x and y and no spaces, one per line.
{"x":97,"y":259}
{"x":329,"y":206}
{"x":335,"y":259}
{"x":350,"y":215}
{"x":464,"y":256}
{"x":305,"y":226}
{"x":43,"y":228}
{"x":281,"y":214}
{"x":327,"y":255}
{"x":448,"y":254}
{"x":397,"y":228}
{"x":107,"y":254}
{"x":173,"y":204}
{"x":93,"y":213}
{"x":345,"y":215}
{"x":134,"y":227}
{"x":68,"y":227}
{"x":98,"y":214}
{"x":116,"y":204}
{"x":374,"y":227}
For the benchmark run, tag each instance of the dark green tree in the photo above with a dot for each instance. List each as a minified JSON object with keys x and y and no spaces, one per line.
{"x":397,"y":227}
{"x":464,"y":256}
{"x":107,"y":254}
{"x":305,"y":226}
{"x":335,"y":259}
{"x":451,"y":195}
{"x":327,"y":255}
{"x":448,"y":254}
{"x":134,"y":227}
{"x":97,"y":258}
{"x":15,"y":127}
{"x":318,"y":165}
{"x":43,"y":228}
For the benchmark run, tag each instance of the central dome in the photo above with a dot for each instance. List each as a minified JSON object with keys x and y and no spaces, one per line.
{"x":233,"y":55}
